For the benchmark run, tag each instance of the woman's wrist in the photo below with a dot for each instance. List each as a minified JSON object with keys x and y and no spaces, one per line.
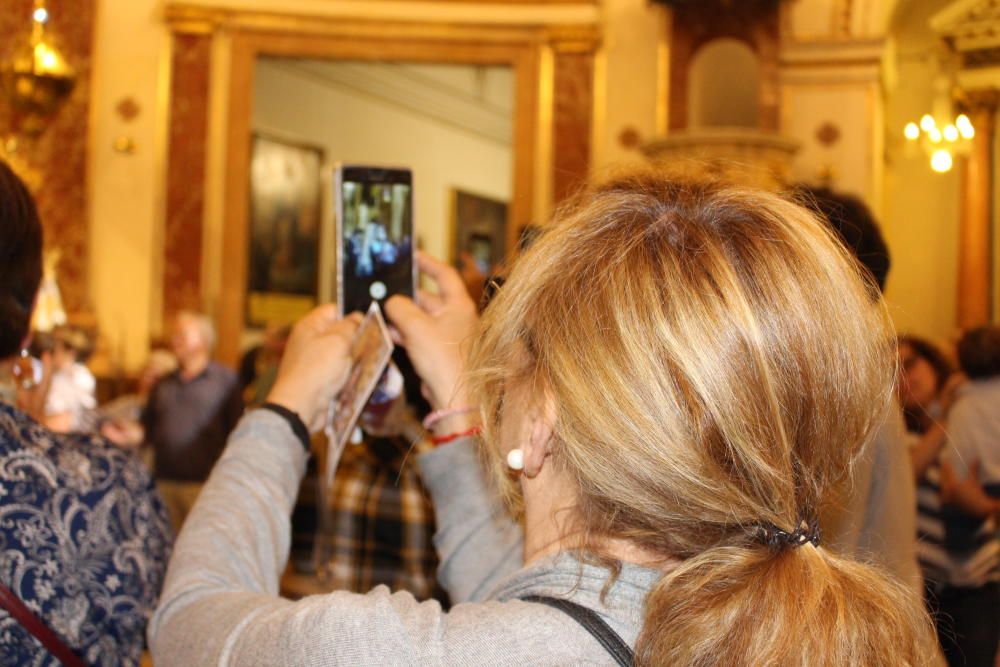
{"x":456,"y":423}
{"x":447,"y":391}
{"x":293,"y":419}
{"x":293,"y":401}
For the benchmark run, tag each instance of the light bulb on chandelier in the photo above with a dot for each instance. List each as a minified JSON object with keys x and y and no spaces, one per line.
{"x":941,"y":161}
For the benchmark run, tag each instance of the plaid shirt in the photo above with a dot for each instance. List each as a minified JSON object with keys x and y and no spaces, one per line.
{"x":380,"y":523}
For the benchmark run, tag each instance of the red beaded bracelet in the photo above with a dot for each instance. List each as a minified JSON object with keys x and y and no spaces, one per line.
{"x":441,"y":439}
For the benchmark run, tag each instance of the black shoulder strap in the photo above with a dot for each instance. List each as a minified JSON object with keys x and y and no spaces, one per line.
{"x":593,"y":624}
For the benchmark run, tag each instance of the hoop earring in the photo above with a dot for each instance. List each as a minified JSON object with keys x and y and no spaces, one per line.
{"x":515,"y":459}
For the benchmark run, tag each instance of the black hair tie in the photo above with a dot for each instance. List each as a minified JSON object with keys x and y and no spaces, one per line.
{"x":807,"y":532}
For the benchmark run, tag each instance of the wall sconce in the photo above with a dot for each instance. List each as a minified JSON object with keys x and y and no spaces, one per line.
{"x":37,"y":78}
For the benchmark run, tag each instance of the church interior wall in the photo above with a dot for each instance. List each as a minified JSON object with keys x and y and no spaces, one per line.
{"x":921,"y":213}
{"x":841,"y":65}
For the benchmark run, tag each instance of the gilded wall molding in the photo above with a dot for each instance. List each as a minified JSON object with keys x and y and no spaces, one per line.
{"x":568,"y":35}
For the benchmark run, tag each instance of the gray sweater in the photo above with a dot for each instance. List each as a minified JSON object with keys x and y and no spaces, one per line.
{"x":220,"y":603}
{"x":876,"y":521}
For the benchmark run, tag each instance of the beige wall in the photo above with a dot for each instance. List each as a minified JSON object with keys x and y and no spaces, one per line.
{"x":921,"y":207}
{"x":629,"y":79}
{"x":126,"y":189}
{"x":870,"y":79}
{"x":844,"y":95}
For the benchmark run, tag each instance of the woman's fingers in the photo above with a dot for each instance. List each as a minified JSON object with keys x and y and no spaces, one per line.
{"x":348,"y":326}
{"x":405,"y":315}
{"x":397,"y":338}
{"x":320,"y":318}
{"x":429,"y":301}
{"x":316,"y":363}
{"x":447,"y":278}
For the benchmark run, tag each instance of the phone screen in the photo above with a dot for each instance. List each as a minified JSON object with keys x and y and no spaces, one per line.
{"x":375,"y":225}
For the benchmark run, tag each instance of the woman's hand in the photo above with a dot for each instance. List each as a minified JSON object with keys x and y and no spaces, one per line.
{"x":436,"y":332}
{"x":124,"y":433}
{"x":950,"y":390}
{"x":315,"y":364}
{"x":967,"y":494}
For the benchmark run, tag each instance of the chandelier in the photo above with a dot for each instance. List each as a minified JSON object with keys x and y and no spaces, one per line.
{"x":36,"y":79}
{"x":941,"y":139}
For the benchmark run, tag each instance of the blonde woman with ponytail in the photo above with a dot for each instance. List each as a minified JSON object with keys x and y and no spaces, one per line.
{"x":669,"y":386}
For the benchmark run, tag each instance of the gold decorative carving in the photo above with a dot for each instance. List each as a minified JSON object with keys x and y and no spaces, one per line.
{"x":200,"y":20}
{"x":969,"y":25}
{"x":37,"y":78}
{"x":844,"y":18}
{"x":750,"y":157}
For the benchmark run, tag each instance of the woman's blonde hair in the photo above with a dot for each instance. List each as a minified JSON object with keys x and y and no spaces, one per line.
{"x":716,"y":362}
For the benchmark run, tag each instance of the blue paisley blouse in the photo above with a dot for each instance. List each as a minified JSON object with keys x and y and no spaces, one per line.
{"x":84,"y":542}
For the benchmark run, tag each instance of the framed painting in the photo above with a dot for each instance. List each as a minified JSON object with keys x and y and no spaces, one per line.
{"x":286,"y":204}
{"x":479,"y":228}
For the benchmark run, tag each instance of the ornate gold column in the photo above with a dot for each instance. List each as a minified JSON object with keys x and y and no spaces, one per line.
{"x":974,"y":237}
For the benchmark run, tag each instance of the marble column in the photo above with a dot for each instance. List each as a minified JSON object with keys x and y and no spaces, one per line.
{"x":189,"y":93}
{"x":975,"y":255}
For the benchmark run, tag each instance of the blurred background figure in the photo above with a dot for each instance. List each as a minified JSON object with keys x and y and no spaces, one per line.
{"x":188,"y":415}
{"x":69,"y":406}
{"x":259,"y":364}
{"x":120,"y":419}
{"x":924,"y":376}
{"x":875,"y":519}
{"x":161,"y":363}
{"x":957,"y":538}
{"x":84,"y":537}
{"x":924,"y":373}
{"x":376,"y":524}
{"x":971,"y":494}
{"x":974,"y":420}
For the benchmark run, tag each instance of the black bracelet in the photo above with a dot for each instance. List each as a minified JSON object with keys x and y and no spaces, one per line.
{"x":293,"y":419}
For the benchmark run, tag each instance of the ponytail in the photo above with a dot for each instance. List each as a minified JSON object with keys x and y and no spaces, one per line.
{"x":715,"y":361}
{"x":754,"y":605}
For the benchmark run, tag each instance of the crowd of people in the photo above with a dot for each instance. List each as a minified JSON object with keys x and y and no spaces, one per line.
{"x":678,"y":431}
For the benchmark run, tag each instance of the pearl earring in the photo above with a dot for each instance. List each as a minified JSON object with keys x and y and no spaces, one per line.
{"x":515,"y":459}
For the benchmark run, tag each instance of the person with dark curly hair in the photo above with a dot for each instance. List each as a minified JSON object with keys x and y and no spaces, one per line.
{"x":84,"y":538}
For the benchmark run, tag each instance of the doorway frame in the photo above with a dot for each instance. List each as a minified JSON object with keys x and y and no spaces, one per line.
{"x":239,"y":38}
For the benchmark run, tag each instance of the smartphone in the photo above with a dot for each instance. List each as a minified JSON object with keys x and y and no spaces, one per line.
{"x":374,"y":230}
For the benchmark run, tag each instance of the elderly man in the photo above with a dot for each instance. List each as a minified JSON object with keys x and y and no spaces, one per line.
{"x":189,"y":415}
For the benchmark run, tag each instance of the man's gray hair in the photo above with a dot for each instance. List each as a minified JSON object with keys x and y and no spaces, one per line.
{"x":205,"y":325}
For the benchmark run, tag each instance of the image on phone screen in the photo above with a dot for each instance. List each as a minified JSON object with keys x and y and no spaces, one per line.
{"x":376,"y":232}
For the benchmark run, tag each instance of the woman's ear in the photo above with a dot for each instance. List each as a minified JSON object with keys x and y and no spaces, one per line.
{"x":539,"y":445}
